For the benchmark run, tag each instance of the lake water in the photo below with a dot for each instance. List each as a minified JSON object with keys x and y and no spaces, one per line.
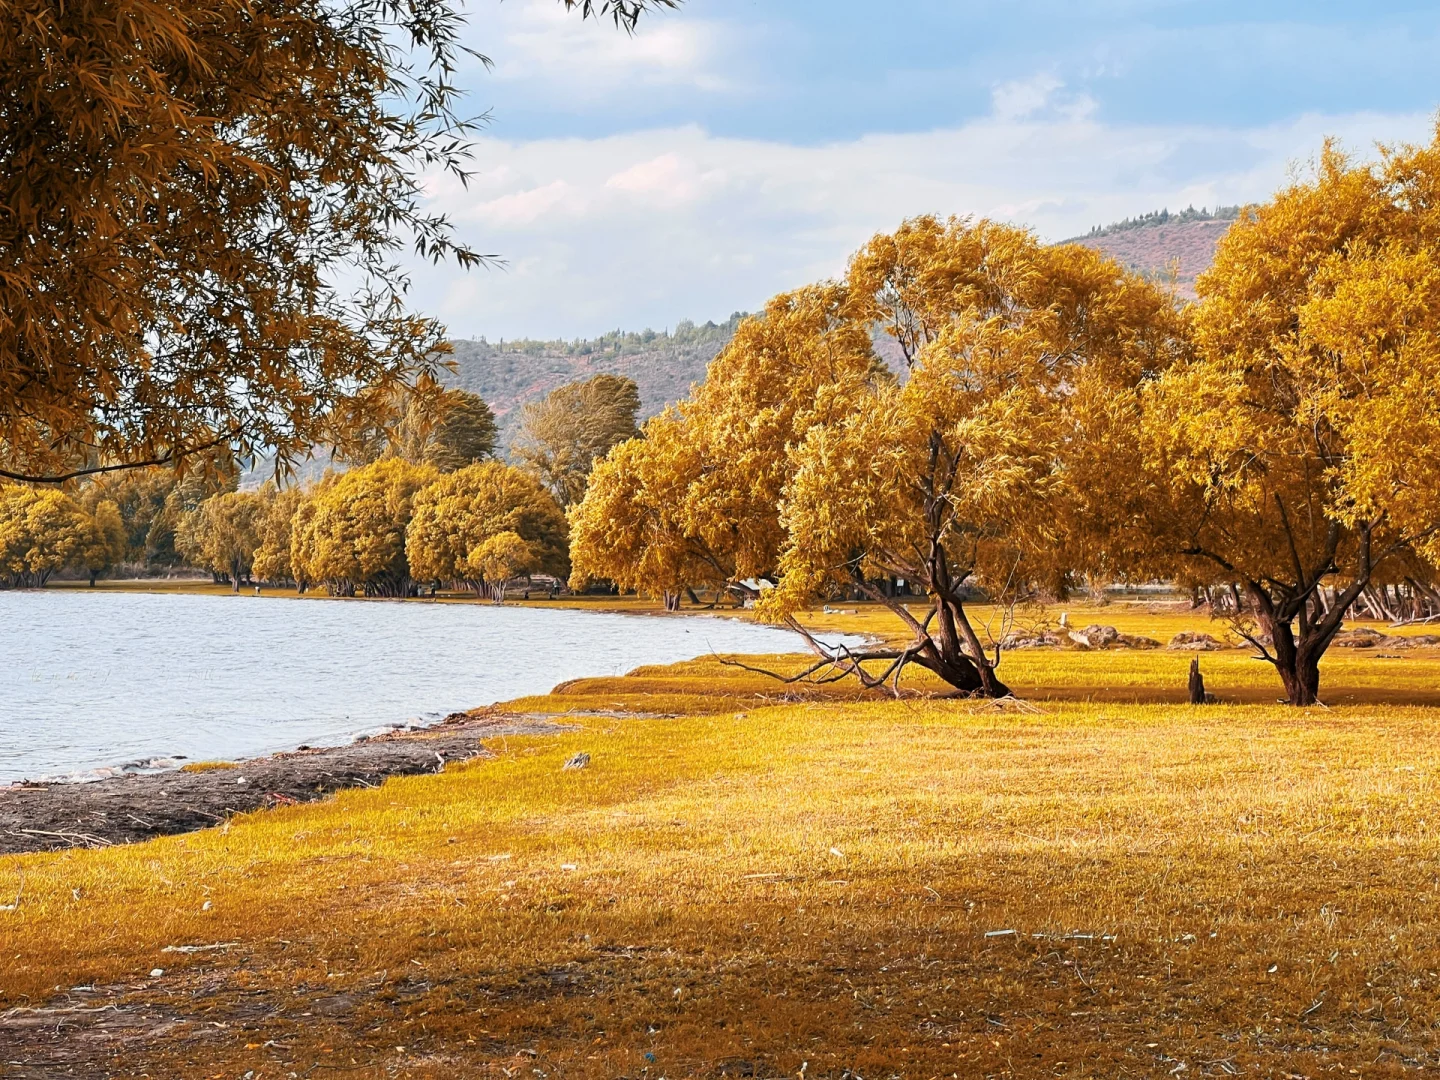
{"x":98,"y":682}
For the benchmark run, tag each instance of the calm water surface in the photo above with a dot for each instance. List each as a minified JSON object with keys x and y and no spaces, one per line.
{"x":101,"y":681}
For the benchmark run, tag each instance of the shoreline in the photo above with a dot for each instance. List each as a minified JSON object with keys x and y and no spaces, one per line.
{"x":54,"y":816}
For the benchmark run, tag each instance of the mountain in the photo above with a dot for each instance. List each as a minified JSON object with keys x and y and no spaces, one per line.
{"x":664,"y":365}
{"x":1155,"y":243}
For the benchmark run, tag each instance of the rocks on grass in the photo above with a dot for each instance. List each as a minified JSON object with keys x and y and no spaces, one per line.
{"x":578,"y":761}
{"x":1195,"y":641}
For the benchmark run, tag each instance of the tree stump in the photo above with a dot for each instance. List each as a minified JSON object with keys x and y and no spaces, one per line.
{"x":1197,"y":683}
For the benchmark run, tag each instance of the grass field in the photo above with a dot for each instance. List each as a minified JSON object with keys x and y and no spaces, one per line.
{"x":757,"y":880}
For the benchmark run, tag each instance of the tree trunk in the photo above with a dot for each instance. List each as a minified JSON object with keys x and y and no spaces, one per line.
{"x":93,"y":575}
{"x":1296,"y":659}
{"x":235,"y":575}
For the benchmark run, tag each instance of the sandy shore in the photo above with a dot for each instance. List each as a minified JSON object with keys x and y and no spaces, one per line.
{"x":121,"y":810}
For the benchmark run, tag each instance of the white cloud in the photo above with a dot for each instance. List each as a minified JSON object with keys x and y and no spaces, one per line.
{"x":539,"y":42}
{"x":649,"y":227}
{"x":1020,"y":98}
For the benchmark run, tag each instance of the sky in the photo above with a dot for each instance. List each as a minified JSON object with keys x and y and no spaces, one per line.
{"x":732,"y":149}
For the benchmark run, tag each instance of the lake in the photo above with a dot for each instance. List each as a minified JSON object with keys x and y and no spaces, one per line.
{"x":100,"y":682}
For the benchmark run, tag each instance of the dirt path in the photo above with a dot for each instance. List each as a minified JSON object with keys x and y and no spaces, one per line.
{"x":48,"y":817}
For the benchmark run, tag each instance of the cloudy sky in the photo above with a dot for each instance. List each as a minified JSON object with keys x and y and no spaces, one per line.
{"x":735,"y":148}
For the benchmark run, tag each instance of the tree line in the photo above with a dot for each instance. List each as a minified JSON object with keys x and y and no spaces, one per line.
{"x":1060,"y":420}
{"x":426,"y":501}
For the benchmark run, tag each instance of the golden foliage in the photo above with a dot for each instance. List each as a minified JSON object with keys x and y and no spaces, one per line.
{"x":41,"y":531}
{"x":351,"y":533}
{"x":457,"y":518}
{"x":1299,"y":449}
{"x":222,"y":533}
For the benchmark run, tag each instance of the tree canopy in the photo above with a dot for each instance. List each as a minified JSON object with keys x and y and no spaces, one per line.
{"x":566,"y":432}
{"x":458,"y":518}
{"x":1299,"y":451}
{"x":204,"y":206}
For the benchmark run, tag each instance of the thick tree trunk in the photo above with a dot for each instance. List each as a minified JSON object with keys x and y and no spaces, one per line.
{"x":1295,"y":652}
{"x":1197,"y":682}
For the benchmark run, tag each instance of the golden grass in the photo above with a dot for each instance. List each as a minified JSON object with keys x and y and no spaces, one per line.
{"x":207,"y":766}
{"x":762,"y":886}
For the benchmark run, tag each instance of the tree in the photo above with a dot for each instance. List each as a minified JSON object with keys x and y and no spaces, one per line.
{"x":456,"y":517}
{"x":352,"y":535}
{"x":566,"y":432}
{"x":222,"y":533}
{"x":1300,"y":449}
{"x":274,"y":528}
{"x":449,"y":431}
{"x":186,"y":188}
{"x":500,"y":560}
{"x":105,"y":542}
{"x":962,"y":476}
{"x":40,"y":532}
{"x":696,"y":500}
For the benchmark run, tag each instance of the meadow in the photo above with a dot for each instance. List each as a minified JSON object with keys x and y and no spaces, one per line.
{"x":754,"y":879}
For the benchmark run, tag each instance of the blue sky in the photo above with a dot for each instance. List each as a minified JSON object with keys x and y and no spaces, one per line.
{"x":735,"y":148}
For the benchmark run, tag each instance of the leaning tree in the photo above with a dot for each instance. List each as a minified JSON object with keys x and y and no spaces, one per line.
{"x":962,"y":477}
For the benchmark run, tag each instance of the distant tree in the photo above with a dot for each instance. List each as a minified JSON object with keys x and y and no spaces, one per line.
{"x":41,"y":532}
{"x":454,"y":429}
{"x":350,"y":534}
{"x":106,"y":544}
{"x":461,"y":513}
{"x":185,"y":186}
{"x":566,"y":432}
{"x":500,"y":560}
{"x":274,"y":528}
{"x":222,"y":533}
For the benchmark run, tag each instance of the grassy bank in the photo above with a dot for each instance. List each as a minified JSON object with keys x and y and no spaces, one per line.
{"x":749,"y":879}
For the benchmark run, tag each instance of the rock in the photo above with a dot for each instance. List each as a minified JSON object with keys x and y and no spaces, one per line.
{"x":1195,"y":641}
{"x":1362,"y":638}
{"x":1137,"y":641}
{"x":579,"y":761}
{"x":1030,"y":641}
{"x":1079,"y":639}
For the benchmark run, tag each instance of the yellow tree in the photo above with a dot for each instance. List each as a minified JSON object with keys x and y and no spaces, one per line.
{"x":273,"y":528}
{"x":41,"y":531}
{"x":696,"y":500}
{"x":185,"y":187}
{"x":961,"y":477}
{"x":106,"y":543}
{"x":222,"y":533}
{"x":456,"y":517}
{"x":1296,"y":455}
{"x":351,"y":533}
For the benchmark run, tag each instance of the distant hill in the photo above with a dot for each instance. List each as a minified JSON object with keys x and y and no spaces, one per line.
{"x":664,"y":365}
{"x":1152,"y":243}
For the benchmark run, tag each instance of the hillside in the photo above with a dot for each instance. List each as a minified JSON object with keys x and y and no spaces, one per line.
{"x":1155,"y":242}
{"x":664,"y":365}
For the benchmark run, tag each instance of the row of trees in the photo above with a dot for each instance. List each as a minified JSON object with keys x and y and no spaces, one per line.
{"x":1061,"y":419}
{"x":427,"y":501}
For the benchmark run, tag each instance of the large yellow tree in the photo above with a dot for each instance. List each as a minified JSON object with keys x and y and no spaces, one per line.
{"x":1298,"y":455}
{"x":350,"y":534}
{"x":222,"y":534}
{"x":485,"y":525}
{"x":41,"y":532}
{"x":203,"y":204}
{"x":965,"y":476}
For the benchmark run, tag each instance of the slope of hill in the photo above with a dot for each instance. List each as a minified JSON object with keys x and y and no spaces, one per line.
{"x":1157,"y":243}
{"x":664,"y":365}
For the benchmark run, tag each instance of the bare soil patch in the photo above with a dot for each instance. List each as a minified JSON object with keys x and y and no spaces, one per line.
{"x":124,"y":810}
